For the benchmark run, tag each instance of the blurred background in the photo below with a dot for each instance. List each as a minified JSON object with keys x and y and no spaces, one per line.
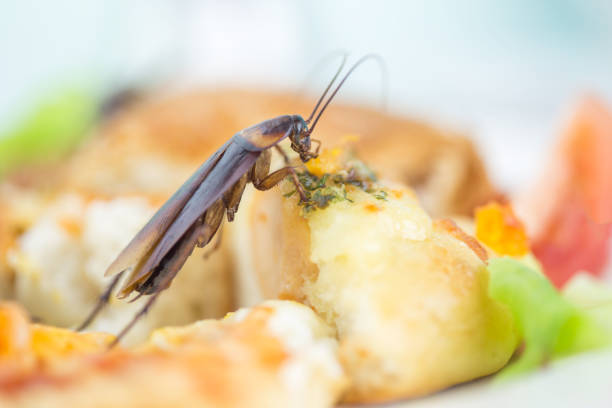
{"x":504,"y":72}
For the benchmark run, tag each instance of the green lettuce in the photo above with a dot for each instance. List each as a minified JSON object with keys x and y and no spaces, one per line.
{"x":549,"y":325}
{"x":592,"y":297}
{"x":49,"y":131}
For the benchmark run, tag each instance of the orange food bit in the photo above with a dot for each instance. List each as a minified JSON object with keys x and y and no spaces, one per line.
{"x":72,"y":226}
{"x":14,"y":330}
{"x":19,"y":338}
{"x":500,"y":229}
{"x":329,"y":161}
{"x":52,"y":342}
{"x":372,"y":208}
{"x":397,"y":193}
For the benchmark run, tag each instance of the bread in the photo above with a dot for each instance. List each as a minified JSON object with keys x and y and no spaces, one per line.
{"x":59,"y":259}
{"x":154,"y":145}
{"x":278,"y":354}
{"x":407,"y":295}
{"x":138,"y":158}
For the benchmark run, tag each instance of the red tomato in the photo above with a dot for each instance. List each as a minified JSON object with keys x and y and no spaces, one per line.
{"x":589,"y":152}
{"x":574,"y":209}
{"x":572,"y":243}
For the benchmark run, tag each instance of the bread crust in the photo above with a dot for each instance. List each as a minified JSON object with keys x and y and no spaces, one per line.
{"x":184,"y":129}
{"x":413,"y":318}
{"x":277,"y":354}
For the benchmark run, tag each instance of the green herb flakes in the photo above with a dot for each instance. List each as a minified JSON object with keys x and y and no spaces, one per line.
{"x":329,"y":188}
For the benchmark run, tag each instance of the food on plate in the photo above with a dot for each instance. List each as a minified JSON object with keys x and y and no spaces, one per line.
{"x":154,"y":145}
{"x":33,"y":344}
{"x":66,"y":241}
{"x":568,"y":212}
{"x":593,"y":297}
{"x":501,"y":230}
{"x":408,"y":295}
{"x":277,"y":354}
{"x":549,"y":325}
{"x":401,"y":293}
{"x":49,"y":131}
{"x":95,"y":200}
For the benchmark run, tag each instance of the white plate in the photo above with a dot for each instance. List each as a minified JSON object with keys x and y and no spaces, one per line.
{"x":584,"y":380}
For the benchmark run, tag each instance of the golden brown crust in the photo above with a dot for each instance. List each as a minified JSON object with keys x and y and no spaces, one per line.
{"x":182,"y":131}
{"x":150,"y":147}
{"x":280,"y":246}
{"x":235,"y":362}
{"x":413,"y":316}
{"x":187,"y":128}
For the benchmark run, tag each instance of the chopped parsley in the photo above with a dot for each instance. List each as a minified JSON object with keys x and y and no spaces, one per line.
{"x":381,"y":195}
{"x":330,"y":188}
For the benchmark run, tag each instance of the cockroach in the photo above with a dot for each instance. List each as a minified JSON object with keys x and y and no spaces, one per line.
{"x":193,"y":215}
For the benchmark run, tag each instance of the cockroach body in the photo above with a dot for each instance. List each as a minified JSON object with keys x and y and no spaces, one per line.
{"x":193,"y":215}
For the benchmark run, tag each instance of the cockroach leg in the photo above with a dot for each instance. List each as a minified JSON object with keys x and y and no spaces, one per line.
{"x":216,"y":245}
{"x":318,"y":142}
{"x":298,"y":185}
{"x":276,"y":177}
{"x":282,"y":153}
{"x":212,"y":221}
{"x":135,"y":298}
{"x":261,"y":168}
{"x":231,"y":199}
{"x":141,"y":313}
{"x":167,"y":273}
{"x":102,"y":301}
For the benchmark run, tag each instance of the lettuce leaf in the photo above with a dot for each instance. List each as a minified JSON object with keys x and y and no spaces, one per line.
{"x":549,"y":325}
{"x":592,"y":297}
{"x":49,"y":131}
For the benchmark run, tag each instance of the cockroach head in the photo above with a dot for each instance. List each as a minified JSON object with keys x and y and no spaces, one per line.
{"x":300,"y":135}
{"x":300,"y":138}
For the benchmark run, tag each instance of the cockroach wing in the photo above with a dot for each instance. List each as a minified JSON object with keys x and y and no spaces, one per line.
{"x":151,"y":233}
{"x":232,"y":165}
{"x":267,"y":133}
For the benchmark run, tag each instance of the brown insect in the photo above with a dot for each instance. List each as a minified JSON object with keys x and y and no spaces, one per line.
{"x":193,"y":215}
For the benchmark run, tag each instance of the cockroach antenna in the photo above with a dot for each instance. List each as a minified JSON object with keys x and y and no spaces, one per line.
{"x":316,"y":68}
{"x":350,"y":71}
{"x":344,"y":57}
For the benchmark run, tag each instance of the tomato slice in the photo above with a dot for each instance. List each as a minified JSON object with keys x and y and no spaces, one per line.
{"x":573,"y":242}
{"x":589,"y":151}
{"x":573,"y":202}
